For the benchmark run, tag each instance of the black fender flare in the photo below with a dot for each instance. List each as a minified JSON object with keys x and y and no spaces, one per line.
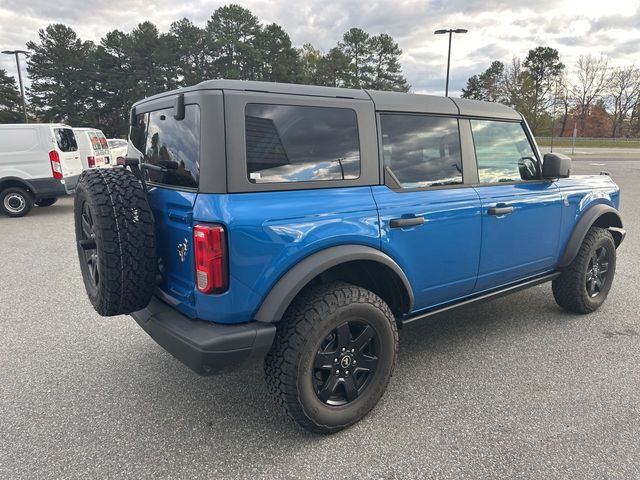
{"x":25,"y":183}
{"x":588,"y":219}
{"x":291,"y":283}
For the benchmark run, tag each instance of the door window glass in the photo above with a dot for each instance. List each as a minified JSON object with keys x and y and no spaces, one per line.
{"x":422,"y":151}
{"x":503,"y":152}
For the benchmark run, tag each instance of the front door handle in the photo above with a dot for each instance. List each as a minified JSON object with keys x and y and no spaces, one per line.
{"x":406,"y":222}
{"x":500,"y":211}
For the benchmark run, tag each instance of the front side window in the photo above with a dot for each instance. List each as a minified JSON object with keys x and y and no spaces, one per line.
{"x":503,"y":152}
{"x":173,"y":146}
{"x":422,"y":151}
{"x":300,"y":144}
{"x":66,"y":139}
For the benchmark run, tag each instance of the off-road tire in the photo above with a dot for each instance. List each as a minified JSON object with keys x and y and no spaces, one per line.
{"x":46,"y":202}
{"x":123,"y":228}
{"x":570,"y":289}
{"x":308,"y":321}
{"x":21,"y":197}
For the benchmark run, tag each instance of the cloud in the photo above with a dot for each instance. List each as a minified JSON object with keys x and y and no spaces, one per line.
{"x":498,"y":29}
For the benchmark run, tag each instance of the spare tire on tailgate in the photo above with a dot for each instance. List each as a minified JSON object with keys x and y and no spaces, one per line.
{"x":116,"y":240}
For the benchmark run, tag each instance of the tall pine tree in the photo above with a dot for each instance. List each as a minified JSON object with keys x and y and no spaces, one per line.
{"x":10,"y":101}
{"x":279,"y":60}
{"x":61,"y":76}
{"x":387,"y":72}
{"x":232,"y":35}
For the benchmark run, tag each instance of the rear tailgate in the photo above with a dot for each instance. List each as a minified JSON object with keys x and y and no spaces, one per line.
{"x":173,"y":213}
{"x":67,"y":148}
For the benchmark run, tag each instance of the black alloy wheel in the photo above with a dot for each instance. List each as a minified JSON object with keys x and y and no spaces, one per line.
{"x":88,"y":245}
{"x":345,"y":363}
{"x":333,"y":356}
{"x":597,"y":271}
{"x":584,"y":284}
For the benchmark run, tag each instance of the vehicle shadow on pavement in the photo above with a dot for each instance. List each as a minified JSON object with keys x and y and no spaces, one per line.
{"x":238,"y":401}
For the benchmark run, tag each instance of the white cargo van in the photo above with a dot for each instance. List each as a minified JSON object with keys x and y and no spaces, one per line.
{"x":118,"y":148}
{"x":94,"y":148}
{"x":39,"y":162}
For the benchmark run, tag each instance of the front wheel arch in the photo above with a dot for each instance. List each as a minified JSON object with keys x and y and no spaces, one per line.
{"x":603,"y":216}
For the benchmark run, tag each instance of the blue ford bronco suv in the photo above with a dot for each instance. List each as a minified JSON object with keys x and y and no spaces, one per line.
{"x":303,"y":225}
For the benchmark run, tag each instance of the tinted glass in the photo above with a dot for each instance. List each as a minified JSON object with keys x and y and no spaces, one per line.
{"x":65,"y":139}
{"x":138,"y":134}
{"x":174,"y":146}
{"x":422,"y":151}
{"x":503,"y":152}
{"x":301,"y":144}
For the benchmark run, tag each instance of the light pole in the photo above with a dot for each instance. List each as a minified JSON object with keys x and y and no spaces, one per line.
{"x":450,"y":31}
{"x":26,"y":54}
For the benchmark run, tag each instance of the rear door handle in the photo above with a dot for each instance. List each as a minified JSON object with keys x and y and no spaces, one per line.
{"x":406,"y":222}
{"x":500,"y":211}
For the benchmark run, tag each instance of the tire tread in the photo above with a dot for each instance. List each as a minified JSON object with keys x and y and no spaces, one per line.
{"x":568,"y":289}
{"x":298,"y":325}
{"x":125,"y":234}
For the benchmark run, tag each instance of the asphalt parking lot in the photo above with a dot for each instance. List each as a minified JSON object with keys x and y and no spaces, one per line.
{"x":515,"y":388}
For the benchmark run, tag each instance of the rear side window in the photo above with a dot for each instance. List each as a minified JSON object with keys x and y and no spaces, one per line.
{"x":66,"y":139}
{"x":422,"y":151}
{"x":171,"y":145}
{"x":503,"y":152}
{"x":288,"y":143}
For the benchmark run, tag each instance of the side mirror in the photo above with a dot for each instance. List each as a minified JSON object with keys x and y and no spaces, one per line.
{"x":133,"y":118}
{"x":556,"y":165}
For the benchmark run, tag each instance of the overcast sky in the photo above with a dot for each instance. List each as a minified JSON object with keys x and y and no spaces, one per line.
{"x":498,"y":29}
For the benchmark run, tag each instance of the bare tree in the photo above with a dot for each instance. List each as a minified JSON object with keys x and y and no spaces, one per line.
{"x":591,"y":81}
{"x":562,"y":103}
{"x":624,"y":91}
{"x":518,"y":88}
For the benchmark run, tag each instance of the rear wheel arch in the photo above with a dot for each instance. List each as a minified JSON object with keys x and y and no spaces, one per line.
{"x":603,"y":216}
{"x":359,"y":265}
{"x":8,"y":182}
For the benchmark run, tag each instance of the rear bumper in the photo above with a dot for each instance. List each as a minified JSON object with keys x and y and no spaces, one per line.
{"x":205,"y":347}
{"x":70,"y":183}
{"x":52,"y":188}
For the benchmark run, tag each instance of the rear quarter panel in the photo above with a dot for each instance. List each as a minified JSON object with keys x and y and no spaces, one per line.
{"x":579,"y":193}
{"x":270,"y":232}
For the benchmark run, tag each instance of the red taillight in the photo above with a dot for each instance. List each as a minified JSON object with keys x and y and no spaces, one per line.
{"x":56,"y":168}
{"x":210,"y":249}
{"x":92,"y":161}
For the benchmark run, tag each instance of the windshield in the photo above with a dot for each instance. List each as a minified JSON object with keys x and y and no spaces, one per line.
{"x":116,"y":143}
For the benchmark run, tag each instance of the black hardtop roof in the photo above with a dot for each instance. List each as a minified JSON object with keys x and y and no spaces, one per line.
{"x":383,"y":101}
